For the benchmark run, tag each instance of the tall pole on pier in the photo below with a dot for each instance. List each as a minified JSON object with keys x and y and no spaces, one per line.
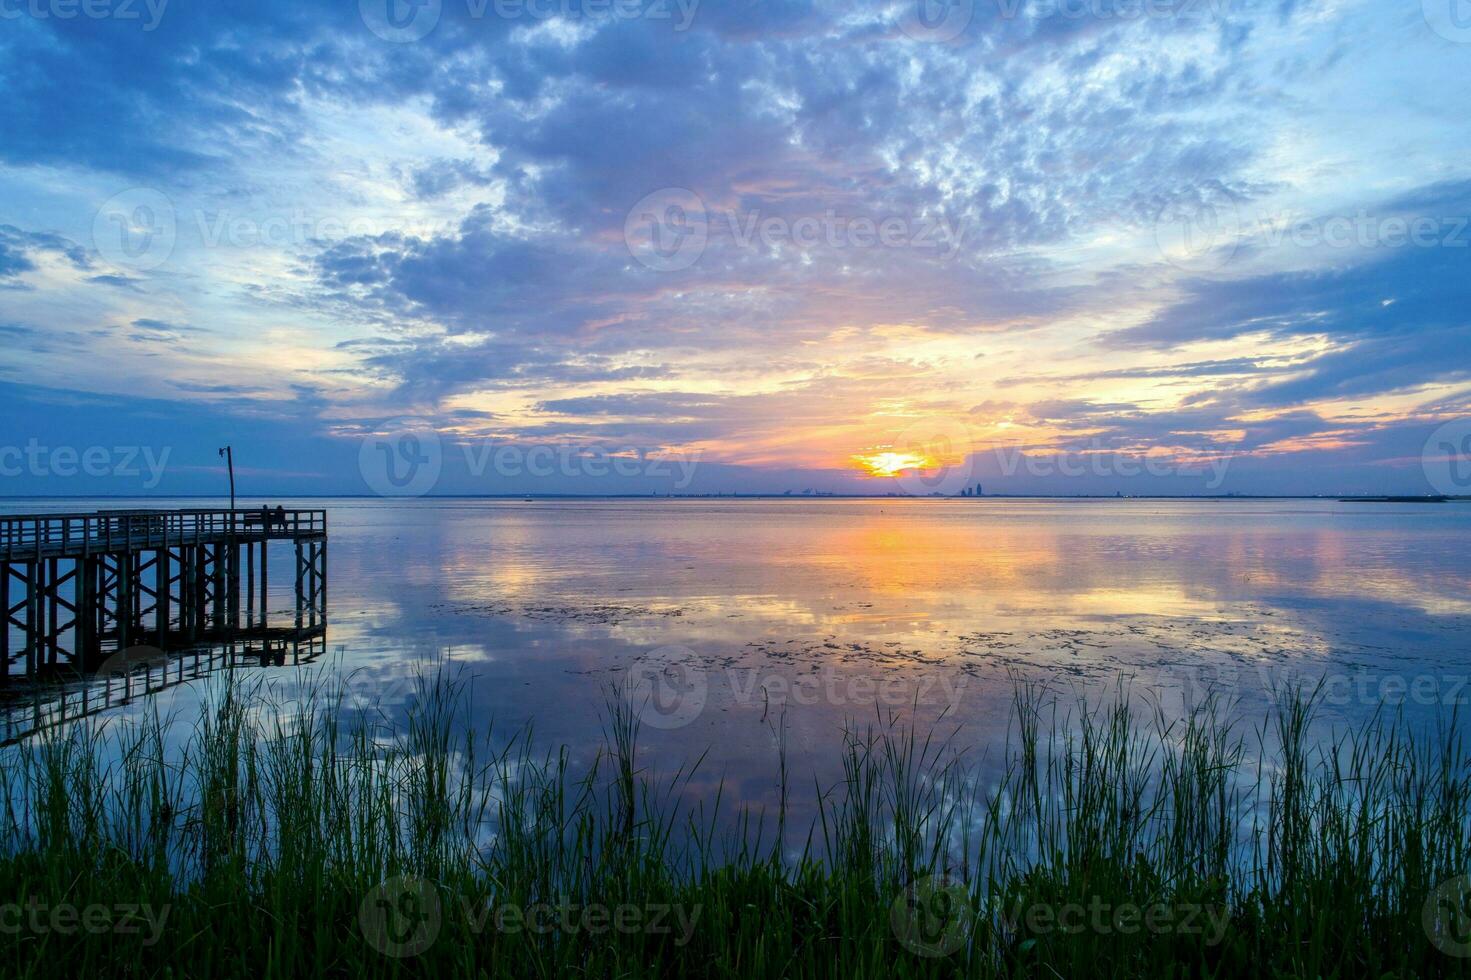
{"x":229,"y":455}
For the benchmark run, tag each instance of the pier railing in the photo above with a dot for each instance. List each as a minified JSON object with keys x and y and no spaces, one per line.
{"x":75,"y":588}
{"x":64,"y":535}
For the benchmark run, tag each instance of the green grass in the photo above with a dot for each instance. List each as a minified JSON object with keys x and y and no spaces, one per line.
{"x":300,"y":839}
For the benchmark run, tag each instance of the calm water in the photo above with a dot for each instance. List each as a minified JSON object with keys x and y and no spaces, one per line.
{"x":806,"y":614}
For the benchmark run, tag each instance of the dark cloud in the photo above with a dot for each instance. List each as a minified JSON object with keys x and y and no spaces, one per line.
{"x":17,"y":248}
{"x":443,"y":176}
{"x":120,"y":282}
{"x":1396,"y":315}
{"x":1184,"y":370}
{"x":146,"y":323}
{"x":655,"y":406}
{"x":1022,"y":137}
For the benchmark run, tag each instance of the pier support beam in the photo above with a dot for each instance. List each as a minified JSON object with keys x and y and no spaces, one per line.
{"x":74,"y":589}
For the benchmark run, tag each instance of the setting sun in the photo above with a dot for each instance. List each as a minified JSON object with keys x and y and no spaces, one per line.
{"x":892,"y":464}
{"x":957,"y":445}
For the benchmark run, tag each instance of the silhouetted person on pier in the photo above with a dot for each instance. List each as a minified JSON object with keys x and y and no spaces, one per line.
{"x":269,"y":517}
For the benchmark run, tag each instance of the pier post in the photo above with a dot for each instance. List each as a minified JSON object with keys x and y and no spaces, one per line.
{"x":161,"y":603}
{"x":135,"y":613}
{"x":217,"y":585}
{"x":50,"y":598}
{"x":249,"y":583}
{"x":82,"y":620}
{"x":5,"y":625}
{"x":299,"y":596}
{"x":74,"y":588}
{"x":47,"y":589}
{"x":124,"y":601}
{"x":321,"y":604}
{"x":265,"y":582}
{"x":232,"y":592}
{"x":191,"y":588}
{"x":33,"y":616}
{"x":323,"y":596}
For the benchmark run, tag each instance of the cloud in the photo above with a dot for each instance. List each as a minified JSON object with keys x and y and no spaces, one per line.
{"x":18,"y":247}
{"x":497,"y":162}
{"x":121,"y":282}
{"x":443,"y":176}
{"x":1392,"y":316}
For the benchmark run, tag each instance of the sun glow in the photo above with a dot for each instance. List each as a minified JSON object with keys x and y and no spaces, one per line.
{"x":889,"y":464}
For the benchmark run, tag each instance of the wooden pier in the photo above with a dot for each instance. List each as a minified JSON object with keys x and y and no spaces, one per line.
{"x":78,"y":588}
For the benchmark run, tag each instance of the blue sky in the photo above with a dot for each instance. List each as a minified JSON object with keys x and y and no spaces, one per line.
{"x":1194,"y":246}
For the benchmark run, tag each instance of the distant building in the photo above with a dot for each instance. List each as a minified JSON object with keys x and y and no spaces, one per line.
{"x":979,"y":491}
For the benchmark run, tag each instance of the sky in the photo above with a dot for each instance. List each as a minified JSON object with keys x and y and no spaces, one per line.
{"x":646,"y":246}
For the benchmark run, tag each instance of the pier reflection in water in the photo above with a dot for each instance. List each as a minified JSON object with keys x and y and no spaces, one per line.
{"x":28,"y":709}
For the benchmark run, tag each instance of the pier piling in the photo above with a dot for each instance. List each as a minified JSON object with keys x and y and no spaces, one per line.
{"x":77,"y":588}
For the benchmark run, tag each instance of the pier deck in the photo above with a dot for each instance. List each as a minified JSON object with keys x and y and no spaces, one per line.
{"x":37,"y":536}
{"x":78,"y":588}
